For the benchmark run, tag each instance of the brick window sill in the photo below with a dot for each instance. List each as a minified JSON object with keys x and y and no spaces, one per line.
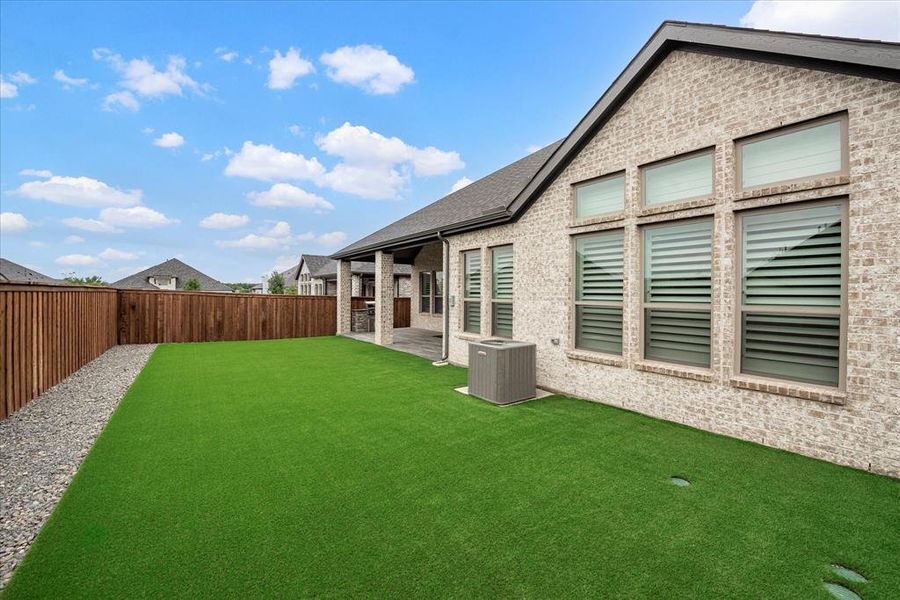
{"x":596,"y":357}
{"x":677,"y":206}
{"x":794,"y":390}
{"x":598,"y":220}
{"x":797,"y":186}
{"x":675,"y":370}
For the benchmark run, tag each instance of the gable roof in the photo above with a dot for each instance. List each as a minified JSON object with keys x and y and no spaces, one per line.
{"x":291,"y":274}
{"x":15,"y":273}
{"x":171,"y":268}
{"x":323,"y":267}
{"x":454,"y":214}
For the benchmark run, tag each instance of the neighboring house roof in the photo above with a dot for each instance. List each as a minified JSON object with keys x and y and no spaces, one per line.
{"x":480,"y":206}
{"x":15,"y":273}
{"x":291,"y":274}
{"x":171,"y":268}
{"x":322,"y":267}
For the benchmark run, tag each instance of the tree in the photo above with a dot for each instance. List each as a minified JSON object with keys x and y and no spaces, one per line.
{"x":291,"y":290}
{"x":94,"y":280}
{"x":192,"y":284}
{"x":241,"y":288}
{"x":276,"y":283}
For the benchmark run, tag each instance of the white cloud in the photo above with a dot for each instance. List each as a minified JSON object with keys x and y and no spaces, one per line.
{"x":331,"y":239}
{"x":285,"y":69}
{"x":141,"y":77}
{"x":22,"y":78}
{"x":377,"y":167}
{"x":78,"y":191}
{"x":38,"y":244}
{"x":370,"y":182}
{"x":76,"y":260}
{"x":370,"y":68}
{"x":285,"y":262}
{"x":8,"y":89}
{"x":208,"y":156}
{"x":296,"y":130}
{"x":147,"y":130}
{"x":124,"y":100}
{"x":113,"y":254}
{"x":35,"y":173}
{"x":224,"y":221}
{"x":226,"y":54}
{"x":460,"y":184}
{"x":169,"y":140}
{"x":281,"y":229}
{"x":11,"y":222}
{"x":257,"y":242}
{"x":92,"y":225}
{"x":139,"y":217}
{"x":848,"y":18}
{"x":73,"y":239}
{"x":266,"y":162}
{"x":287,"y":195}
{"x":69,"y":82}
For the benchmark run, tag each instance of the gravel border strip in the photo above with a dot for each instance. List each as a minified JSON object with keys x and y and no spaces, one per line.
{"x":43,"y":443}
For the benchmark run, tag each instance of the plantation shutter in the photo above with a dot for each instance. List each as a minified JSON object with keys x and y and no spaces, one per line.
{"x":792,"y":260}
{"x":599,"y":267}
{"x":425,"y":292}
{"x":678,"y":292}
{"x":792,"y":155}
{"x":678,"y":263}
{"x":472,"y":289}
{"x":502,"y":287}
{"x":472,"y":285}
{"x":600,"y":197}
{"x":679,"y":180}
{"x":503,"y":273}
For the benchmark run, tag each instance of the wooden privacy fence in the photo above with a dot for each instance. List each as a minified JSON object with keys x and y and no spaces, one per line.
{"x":147,"y":316}
{"x":401,"y":309}
{"x":49,"y":332}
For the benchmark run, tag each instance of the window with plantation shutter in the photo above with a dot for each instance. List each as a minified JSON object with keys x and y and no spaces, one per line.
{"x":793,"y":154}
{"x":678,"y":292}
{"x":472,"y":291}
{"x":681,"y":178}
{"x":599,"y":267}
{"x":502,"y":291}
{"x":600,"y":196}
{"x":792,"y":292}
{"x":425,"y":292}
{"x":438,"y":300}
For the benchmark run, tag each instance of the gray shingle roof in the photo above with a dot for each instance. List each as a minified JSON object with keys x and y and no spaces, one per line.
{"x":323,"y":267}
{"x":291,"y":274}
{"x":504,"y":194}
{"x":489,"y":195}
{"x":171,"y":268}
{"x":15,"y":273}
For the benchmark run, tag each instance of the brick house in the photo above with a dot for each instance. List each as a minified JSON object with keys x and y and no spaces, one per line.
{"x":715,"y":243}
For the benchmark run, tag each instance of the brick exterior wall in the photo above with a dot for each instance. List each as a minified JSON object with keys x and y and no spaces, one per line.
{"x":384,"y":298}
{"x":428,"y":259}
{"x":404,"y":287}
{"x":693,"y":101}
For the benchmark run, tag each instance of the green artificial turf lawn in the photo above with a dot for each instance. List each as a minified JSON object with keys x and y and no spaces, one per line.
{"x":330,"y":467}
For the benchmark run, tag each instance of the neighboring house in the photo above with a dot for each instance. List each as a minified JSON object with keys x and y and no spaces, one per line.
{"x":290,"y":276}
{"x":11,"y":272}
{"x":317,"y":276}
{"x":715,"y":243}
{"x":170,"y":275}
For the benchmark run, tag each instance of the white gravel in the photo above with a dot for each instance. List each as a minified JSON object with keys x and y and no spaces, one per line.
{"x":42,"y":444}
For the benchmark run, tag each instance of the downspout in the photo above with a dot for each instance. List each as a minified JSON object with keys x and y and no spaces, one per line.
{"x":445,"y":338}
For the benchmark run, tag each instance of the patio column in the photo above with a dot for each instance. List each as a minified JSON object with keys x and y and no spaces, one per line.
{"x":384,"y":298}
{"x":343,"y":297}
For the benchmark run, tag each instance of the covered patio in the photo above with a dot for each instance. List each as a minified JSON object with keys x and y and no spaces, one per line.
{"x":421,"y":342}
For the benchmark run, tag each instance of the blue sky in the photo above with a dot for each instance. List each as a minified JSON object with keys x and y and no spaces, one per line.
{"x":237,"y":136}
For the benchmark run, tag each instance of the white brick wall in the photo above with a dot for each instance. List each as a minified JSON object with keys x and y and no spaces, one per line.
{"x":690,"y":102}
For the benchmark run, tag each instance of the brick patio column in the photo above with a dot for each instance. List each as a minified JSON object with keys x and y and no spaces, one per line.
{"x":343,"y":297}
{"x":384,"y":298}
